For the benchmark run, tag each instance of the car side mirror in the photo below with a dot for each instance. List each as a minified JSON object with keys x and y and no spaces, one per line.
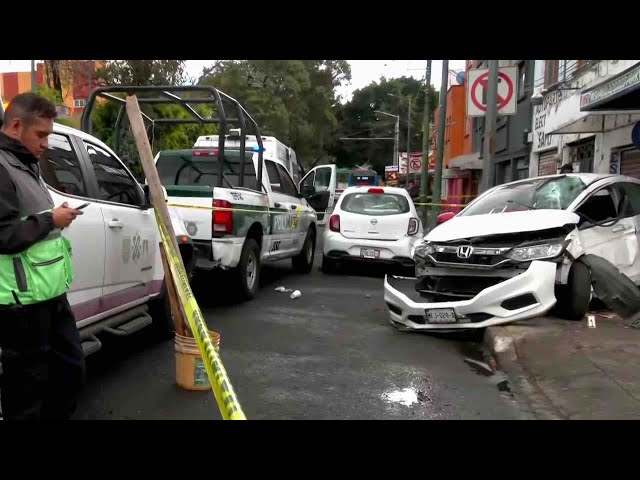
{"x":308,"y":191}
{"x":147,"y":196}
{"x":445,"y":217}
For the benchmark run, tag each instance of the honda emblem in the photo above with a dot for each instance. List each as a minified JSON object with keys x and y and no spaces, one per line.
{"x":465,"y":251}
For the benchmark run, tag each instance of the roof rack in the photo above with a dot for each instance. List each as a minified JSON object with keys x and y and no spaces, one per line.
{"x":175,"y":95}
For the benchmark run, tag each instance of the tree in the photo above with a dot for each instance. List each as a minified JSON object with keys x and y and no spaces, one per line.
{"x":358,"y":118}
{"x":142,"y":72}
{"x":293,"y":100}
{"x":161,"y":137}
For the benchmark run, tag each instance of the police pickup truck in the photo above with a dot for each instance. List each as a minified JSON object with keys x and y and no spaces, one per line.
{"x":247,"y":221}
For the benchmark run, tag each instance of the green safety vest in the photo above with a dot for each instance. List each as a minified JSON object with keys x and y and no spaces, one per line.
{"x":44,"y":270}
{"x":41,"y":272}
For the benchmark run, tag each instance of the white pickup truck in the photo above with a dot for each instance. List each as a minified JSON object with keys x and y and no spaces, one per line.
{"x":240,"y":225}
{"x":118,"y":286}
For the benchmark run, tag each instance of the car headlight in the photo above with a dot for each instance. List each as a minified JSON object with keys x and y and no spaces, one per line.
{"x":537,"y":252}
{"x":421,"y":250}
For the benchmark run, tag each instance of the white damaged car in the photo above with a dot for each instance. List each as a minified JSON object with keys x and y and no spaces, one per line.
{"x":514,"y":253}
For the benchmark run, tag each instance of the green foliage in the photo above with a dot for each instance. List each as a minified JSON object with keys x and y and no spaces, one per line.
{"x":142,"y":72}
{"x":69,"y":122}
{"x":293,"y":100}
{"x":358,"y":118}
{"x":49,"y":93}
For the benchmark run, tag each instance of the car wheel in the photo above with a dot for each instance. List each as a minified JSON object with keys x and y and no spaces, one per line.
{"x":247,"y":272}
{"x":574,"y":297}
{"x":303,"y":263}
{"x":160,"y":311}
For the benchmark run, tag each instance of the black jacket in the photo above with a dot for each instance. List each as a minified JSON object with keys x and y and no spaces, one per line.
{"x":17,"y":235}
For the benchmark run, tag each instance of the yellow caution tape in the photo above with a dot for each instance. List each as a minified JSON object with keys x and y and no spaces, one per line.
{"x":294,"y":222}
{"x":222,"y":389}
{"x":226,"y":209}
{"x":440,"y":204}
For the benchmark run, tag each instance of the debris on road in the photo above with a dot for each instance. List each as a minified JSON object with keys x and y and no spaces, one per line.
{"x":296,"y":294}
{"x":283,"y":289}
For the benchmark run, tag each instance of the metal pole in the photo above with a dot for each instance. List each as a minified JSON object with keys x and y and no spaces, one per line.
{"x":442,"y":119}
{"x":424,"y":181}
{"x":33,"y":76}
{"x":89,"y":81}
{"x":408,"y":144}
{"x":488,"y":175}
{"x":396,"y":141}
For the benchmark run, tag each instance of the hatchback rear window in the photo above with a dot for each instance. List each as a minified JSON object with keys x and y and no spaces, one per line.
{"x":375,"y":204}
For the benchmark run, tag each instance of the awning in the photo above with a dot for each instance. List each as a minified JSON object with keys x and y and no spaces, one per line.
{"x":469,"y":161}
{"x":620,"y":93}
{"x":569,"y":119}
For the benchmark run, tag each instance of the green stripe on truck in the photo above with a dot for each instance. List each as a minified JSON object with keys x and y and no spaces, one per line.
{"x":189,"y":191}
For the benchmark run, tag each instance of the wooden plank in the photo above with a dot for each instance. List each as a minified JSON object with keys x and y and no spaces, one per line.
{"x":157,"y":200}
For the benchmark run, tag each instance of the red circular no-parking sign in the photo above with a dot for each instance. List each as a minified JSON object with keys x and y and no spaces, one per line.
{"x":482,"y":81}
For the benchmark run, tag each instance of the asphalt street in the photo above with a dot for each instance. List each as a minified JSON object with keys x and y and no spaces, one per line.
{"x":330,"y":354}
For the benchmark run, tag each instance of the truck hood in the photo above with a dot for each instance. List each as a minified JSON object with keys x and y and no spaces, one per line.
{"x":499,"y":223}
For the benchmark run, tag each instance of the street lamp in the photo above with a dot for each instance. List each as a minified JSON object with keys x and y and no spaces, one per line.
{"x":408,"y":136}
{"x":396,"y":136}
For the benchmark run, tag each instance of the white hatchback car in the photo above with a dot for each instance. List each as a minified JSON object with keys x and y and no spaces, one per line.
{"x":374,"y":224}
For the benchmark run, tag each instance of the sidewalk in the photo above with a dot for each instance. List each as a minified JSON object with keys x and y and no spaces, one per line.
{"x":566,"y":370}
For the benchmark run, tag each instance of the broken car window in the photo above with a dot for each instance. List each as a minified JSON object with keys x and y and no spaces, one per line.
{"x":539,"y":193}
{"x":599,"y":207}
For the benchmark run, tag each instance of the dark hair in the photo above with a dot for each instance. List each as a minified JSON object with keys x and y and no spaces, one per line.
{"x":28,"y":106}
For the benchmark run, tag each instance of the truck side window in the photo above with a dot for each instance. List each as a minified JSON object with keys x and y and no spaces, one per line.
{"x":274,"y":177}
{"x":115,"y":183}
{"x":288,"y":187}
{"x":60,"y":167}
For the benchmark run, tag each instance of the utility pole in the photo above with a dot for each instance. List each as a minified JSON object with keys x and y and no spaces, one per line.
{"x":424,"y":180}
{"x":89,"y":80}
{"x":396,"y":142}
{"x":33,"y":76}
{"x":488,"y":175}
{"x":442,"y":119}
{"x":408,"y":145}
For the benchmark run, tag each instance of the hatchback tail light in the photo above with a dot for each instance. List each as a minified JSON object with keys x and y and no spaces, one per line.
{"x":414,"y":224}
{"x":334,"y":223}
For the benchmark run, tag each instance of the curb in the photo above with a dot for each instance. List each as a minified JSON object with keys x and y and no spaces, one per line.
{"x":502,"y":347}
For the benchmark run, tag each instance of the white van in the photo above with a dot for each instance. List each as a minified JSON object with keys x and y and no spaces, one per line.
{"x":273,"y":148}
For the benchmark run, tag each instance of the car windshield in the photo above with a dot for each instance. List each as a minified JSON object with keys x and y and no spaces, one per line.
{"x":375,"y":204}
{"x":555,"y":193}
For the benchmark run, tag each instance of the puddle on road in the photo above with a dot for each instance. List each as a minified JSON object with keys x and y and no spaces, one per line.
{"x":407,"y":397}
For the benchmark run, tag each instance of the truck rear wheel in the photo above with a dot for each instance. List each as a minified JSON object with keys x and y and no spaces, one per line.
{"x":247,"y":272}
{"x":303,"y":262}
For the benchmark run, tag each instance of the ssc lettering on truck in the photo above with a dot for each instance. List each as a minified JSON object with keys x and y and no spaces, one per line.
{"x":275,"y":246}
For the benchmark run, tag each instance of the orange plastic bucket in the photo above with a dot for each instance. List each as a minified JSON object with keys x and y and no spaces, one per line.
{"x":191,"y":373}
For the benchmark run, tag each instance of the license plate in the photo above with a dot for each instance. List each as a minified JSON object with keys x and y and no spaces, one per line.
{"x":441,"y":315}
{"x":369,"y":253}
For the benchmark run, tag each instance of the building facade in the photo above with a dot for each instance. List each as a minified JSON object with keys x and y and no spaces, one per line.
{"x":74,"y":81}
{"x":588,"y":116}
